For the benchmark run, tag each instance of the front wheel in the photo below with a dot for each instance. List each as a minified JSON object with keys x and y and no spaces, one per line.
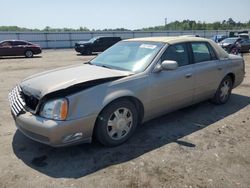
{"x":29,"y":54}
{"x":223,"y":93}
{"x":86,"y":52}
{"x":116,"y":123}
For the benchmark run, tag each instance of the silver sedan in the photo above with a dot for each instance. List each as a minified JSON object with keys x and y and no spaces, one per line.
{"x":130,"y":83}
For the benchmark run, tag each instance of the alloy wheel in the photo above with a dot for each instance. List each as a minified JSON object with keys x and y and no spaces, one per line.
{"x":120,"y":123}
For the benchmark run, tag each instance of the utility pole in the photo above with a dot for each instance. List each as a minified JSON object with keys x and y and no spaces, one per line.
{"x":166,"y":22}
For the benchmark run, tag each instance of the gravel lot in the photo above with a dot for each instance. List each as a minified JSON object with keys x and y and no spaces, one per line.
{"x":201,"y":146}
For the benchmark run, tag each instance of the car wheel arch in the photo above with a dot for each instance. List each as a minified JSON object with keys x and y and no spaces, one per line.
{"x":27,"y":50}
{"x":137,"y":102}
{"x":232,"y":76}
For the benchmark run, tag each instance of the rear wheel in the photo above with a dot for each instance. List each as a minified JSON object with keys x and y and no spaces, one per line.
{"x":116,"y":123}
{"x":223,"y":93}
{"x":29,"y":54}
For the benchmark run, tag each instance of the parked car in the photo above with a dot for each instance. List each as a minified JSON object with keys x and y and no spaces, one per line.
{"x":19,"y":48}
{"x":97,"y":44}
{"x":230,"y":44}
{"x":245,"y":45}
{"x":219,"y":38}
{"x":244,"y":36}
{"x":132,"y":82}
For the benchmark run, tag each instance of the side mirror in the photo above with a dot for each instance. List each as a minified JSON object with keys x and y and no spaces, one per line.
{"x":166,"y":65}
{"x":169,"y":65}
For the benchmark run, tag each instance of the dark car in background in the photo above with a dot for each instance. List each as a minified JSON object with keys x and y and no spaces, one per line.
{"x":229,"y":43}
{"x":245,"y":45}
{"x":19,"y":48}
{"x":96,"y":44}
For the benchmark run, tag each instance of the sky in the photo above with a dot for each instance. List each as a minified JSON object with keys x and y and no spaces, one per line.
{"x":130,"y":14}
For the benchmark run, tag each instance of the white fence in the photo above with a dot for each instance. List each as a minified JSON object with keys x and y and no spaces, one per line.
{"x":68,"y":39}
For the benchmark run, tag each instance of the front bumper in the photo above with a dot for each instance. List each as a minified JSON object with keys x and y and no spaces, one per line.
{"x":53,"y":132}
{"x":79,"y":49}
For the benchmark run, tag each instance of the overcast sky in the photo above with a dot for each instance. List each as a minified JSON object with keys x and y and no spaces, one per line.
{"x":130,"y":14}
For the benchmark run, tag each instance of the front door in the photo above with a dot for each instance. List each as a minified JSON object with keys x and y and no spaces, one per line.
{"x":172,"y":89}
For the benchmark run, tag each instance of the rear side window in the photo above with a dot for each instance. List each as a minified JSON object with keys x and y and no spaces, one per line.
{"x":245,"y":42}
{"x":17,"y":43}
{"x":212,"y":52}
{"x":5,"y":44}
{"x":202,"y":52}
{"x":178,"y":53}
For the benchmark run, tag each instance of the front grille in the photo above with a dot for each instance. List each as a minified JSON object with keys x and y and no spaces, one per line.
{"x":30,"y":101}
{"x":16,"y":101}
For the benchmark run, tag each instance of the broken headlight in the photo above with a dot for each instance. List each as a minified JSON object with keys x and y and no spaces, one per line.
{"x":55,"y":109}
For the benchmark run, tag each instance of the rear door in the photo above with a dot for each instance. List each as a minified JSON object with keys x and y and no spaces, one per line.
{"x":19,"y":47}
{"x":245,"y":45}
{"x":207,"y":70}
{"x":172,"y":89}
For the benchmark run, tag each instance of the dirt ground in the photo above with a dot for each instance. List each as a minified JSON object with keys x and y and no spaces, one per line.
{"x":200,"y":146}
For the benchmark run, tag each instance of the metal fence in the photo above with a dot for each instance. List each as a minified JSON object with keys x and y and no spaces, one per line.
{"x":68,"y":39}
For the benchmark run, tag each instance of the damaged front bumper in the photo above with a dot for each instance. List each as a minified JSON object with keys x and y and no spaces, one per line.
{"x":56,"y":133}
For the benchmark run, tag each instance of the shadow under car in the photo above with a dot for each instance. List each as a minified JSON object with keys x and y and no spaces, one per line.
{"x":81,"y":160}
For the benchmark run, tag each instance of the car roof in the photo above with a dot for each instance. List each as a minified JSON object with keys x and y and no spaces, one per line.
{"x":243,"y":34}
{"x":233,"y":38}
{"x":13,"y":41}
{"x":179,"y":39}
{"x":170,"y":40}
{"x":105,"y":37}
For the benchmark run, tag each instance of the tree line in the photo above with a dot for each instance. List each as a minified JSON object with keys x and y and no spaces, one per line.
{"x":229,"y":24}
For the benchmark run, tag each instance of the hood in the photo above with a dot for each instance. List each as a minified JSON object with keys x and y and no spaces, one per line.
{"x":44,"y":83}
{"x":83,"y":42}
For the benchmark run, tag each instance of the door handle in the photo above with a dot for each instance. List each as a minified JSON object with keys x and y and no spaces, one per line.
{"x":188,"y":75}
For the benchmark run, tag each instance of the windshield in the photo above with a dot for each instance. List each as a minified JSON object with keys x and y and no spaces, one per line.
{"x":92,"y":40}
{"x":229,"y":40}
{"x":128,"y":55}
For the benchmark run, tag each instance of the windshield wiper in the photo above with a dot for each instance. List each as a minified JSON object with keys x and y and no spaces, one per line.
{"x":99,"y":65}
{"x":105,"y":66}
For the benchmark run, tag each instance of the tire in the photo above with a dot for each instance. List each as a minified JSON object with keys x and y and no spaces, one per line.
{"x":223,"y":92}
{"x":86,"y":52}
{"x":89,"y":52}
{"x":116,"y":123}
{"x":28,"y":54}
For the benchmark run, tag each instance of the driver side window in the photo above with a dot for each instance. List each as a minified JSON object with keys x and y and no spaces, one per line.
{"x":178,"y":53}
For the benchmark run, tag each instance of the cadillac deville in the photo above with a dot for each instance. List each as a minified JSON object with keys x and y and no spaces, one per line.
{"x":130,"y":83}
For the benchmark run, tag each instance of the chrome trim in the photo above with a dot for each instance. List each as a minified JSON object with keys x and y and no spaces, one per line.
{"x":16,"y":101}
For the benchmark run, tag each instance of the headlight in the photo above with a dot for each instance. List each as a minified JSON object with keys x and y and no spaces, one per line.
{"x":81,"y":45}
{"x":55,"y":109}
